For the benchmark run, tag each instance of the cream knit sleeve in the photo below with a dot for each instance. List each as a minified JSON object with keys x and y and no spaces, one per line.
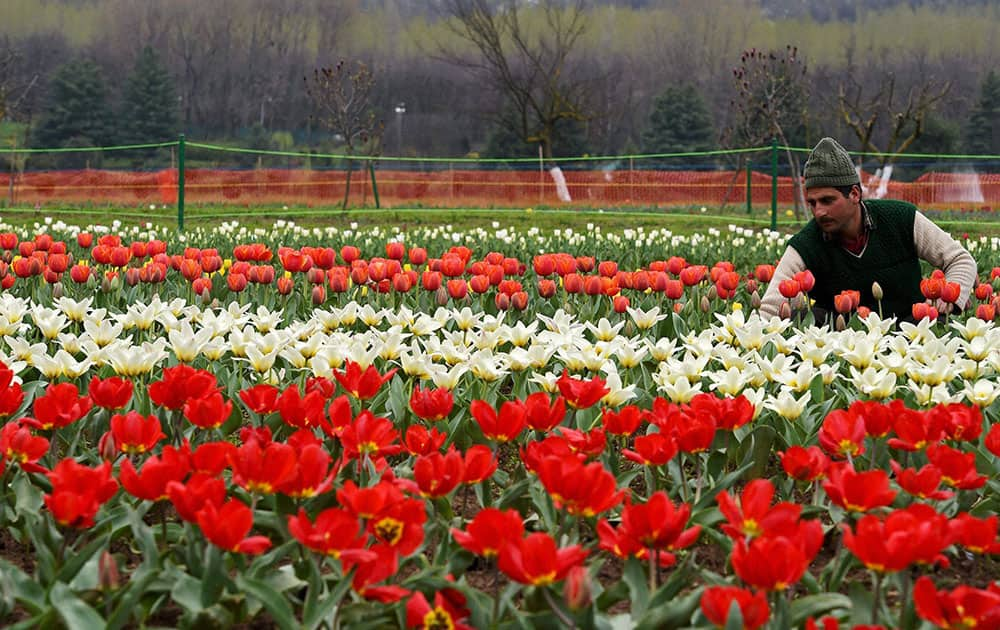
{"x":790,"y":264}
{"x":941,"y":250}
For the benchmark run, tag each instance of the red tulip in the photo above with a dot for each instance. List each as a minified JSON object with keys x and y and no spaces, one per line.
{"x":227,"y":527}
{"x":261,"y":399}
{"x":923,"y":483}
{"x":189,"y":497}
{"x":789,"y":288}
{"x":962,"y":607}
{"x":370,"y":435}
{"x":78,"y":492}
{"x":360,"y":383}
{"x":858,"y":491}
{"x":958,"y":469}
{"x":135,"y":433}
{"x":110,"y":393}
{"x":581,"y":394}
{"x":978,"y":535}
{"x":774,"y":563}
{"x":537,"y":561}
{"x":804,"y":464}
{"x":654,"y":449}
{"x":335,"y":532}
{"x":842,"y":434}
{"x":755,"y":516}
{"x":480,"y":464}
{"x":419,"y":441}
{"x":437,"y":475}
{"x":490,"y":531}
{"x":59,"y":406}
{"x":431,"y":404}
{"x":503,"y":426}
{"x":716,"y":602}
{"x":457,"y":288}
{"x":18,"y":444}
{"x":150,"y":481}
{"x":209,"y":411}
{"x":917,"y":534}
{"x":580,"y":489}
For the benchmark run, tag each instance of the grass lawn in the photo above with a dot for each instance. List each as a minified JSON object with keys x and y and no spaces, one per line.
{"x":681,"y":220}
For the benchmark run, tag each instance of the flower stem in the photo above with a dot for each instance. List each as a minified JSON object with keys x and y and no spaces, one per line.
{"x":559,"y":613}
{"x":652,"y":570}
{"x":877,"y":595}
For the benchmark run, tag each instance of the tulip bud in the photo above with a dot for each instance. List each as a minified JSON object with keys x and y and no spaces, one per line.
{"x":713,"y":292}
{"x":706,"y":305}
{"x":877,"y":291}
{"x":108,"y":447}
{"x":206,"y":297}
{"x":318,"y":294}
{"x":840,"y":324}
{"x":441,"y":296}
{"x":105,"y":285}
{"x":798,"y":302}
{"x":755,"y":300}
{"x":577,"y":590}
{"x":785,"y":310}
{"x":107,"y":572}
{"x":57,"y":290}
{"x":678,"y":307}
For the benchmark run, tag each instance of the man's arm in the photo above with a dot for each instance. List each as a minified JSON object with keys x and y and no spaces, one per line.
{"x":941,"y":250}
{"x":790,"y":264}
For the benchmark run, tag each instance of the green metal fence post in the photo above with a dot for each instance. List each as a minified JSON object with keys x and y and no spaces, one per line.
{"x":180,"y":183}
{"x":749,"y":190}
{"x":774,"y":183}
{"x":371,"y":170}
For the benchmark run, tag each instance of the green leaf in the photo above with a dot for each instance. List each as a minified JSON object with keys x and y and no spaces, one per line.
{"x":862,"y":600}
{"x":17,"y":585}
{"x":513,"y":493}
{"x":214,"y":577}
{"x":129,"y":597}
{"x":676,"y":614}
{"x":76,"y":560}
{"x":276,"y":605}
{"x":763,"y":443}
{"x":734,"y":618}
{"x":187,"y":592}
{"x":817,"y":605}
{"x":708,"y":497}
{"x":73,"y":611}
{"x":27,"y":498}
{"x":636,"y":578}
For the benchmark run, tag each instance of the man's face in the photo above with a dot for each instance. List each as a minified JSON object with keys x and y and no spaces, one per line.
{"x":834,"y":213}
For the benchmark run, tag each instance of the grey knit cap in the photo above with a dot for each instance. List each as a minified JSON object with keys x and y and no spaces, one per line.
{"x":829,"y":165}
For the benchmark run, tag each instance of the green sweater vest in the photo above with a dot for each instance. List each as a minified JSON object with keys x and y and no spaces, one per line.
{"x":890,"y":258}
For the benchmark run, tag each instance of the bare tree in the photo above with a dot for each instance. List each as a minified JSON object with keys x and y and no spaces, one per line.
{"x":341,"y":96}
{"x":771,"y":102}
{"x":903,"y":116}
{"x":530,"y":68}
{"x":12,"y":91}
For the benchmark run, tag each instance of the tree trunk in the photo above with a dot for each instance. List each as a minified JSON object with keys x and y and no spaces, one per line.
{"x":347,"y":183}
{"x":732,"y":182}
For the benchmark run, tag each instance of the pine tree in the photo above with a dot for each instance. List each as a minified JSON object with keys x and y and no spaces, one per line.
{"x":680,"y":122}
{"x":982,"y":134}
{"x":149,"y":110}
{"x":77,"y":113}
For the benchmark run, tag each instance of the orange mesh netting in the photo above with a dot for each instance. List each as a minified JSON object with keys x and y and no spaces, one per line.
{"x":459,"y":188}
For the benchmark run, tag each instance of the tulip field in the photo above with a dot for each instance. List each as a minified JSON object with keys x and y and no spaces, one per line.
{"x":495,"y":428}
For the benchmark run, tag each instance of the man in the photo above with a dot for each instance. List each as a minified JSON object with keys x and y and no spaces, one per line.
{"x":850,"y":243}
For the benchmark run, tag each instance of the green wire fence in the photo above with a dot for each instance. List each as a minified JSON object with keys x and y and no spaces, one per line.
{"x":173,"y":174}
